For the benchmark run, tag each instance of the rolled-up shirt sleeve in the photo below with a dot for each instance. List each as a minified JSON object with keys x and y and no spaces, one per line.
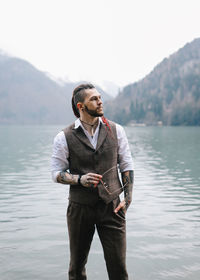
{"x":60,"y":154}
{"x":125,"y":160}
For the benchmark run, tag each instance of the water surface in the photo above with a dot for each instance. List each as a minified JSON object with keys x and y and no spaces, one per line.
{"x":163,"y":222}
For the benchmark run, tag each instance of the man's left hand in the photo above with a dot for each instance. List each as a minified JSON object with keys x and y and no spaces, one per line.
{"x":122,"y":206}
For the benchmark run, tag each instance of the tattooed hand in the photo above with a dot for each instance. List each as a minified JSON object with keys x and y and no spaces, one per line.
{"x":90,"y":179}
{"x":127,"y":179}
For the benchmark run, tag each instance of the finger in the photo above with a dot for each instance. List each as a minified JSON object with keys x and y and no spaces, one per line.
{"x":93,"y":179}
{"x":94,"y":175}
{"x":118,"y":207}
{"x":96,"y":178}
{"x":95,"y":185}
{"x":95,"y":182}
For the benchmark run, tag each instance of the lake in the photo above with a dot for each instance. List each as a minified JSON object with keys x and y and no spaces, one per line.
{"x":163,"y":221}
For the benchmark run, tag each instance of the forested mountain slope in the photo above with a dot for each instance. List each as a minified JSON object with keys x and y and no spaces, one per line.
{"x":169,"y":94}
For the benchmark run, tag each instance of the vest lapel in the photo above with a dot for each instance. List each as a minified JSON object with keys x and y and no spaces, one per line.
{"x":79,"y":133}
{"x":102,"y":135}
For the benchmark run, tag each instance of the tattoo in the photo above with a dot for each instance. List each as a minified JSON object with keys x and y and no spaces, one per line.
{"x":67,"y":178}
{"x":128,"y":179}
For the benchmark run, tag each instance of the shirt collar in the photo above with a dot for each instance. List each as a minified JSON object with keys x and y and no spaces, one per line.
{"x":78,"y":123}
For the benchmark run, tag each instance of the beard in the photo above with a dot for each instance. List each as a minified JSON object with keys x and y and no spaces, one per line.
{"x":93,"y":113}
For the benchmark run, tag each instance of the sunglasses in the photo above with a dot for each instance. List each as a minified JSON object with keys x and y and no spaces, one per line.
{"x":105,"y":185}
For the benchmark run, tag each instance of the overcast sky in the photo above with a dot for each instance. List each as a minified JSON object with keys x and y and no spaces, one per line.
{"x":96,"y":40}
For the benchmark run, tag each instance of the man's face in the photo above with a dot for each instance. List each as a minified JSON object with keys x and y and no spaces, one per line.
{"x":93,"y":104}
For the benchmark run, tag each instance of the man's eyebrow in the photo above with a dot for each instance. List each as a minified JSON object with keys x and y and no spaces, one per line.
{"x":94,"y":96}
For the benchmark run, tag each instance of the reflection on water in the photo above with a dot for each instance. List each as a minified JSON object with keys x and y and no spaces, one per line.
{"x":163,"y":222}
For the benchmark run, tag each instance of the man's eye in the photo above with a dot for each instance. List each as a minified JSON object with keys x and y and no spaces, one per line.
{"x":95,"y":98}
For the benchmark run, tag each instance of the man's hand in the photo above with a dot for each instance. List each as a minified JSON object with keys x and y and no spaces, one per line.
{"x":122,"y":206}
{"x":90,"y":179}
{"x":127,"y":178}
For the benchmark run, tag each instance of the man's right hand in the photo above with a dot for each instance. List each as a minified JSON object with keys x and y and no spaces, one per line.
{"x":90,"y":179}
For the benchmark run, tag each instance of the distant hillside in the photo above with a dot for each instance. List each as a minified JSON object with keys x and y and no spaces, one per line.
{"x":169,"y":94}
{"x":28,"y":96}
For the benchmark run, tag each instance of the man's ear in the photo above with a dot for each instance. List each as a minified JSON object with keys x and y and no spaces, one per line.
{"x":80,"y":106}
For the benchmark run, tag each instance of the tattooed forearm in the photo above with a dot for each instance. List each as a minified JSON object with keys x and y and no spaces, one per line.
{"x":67,"y":178}
{"x":128,"y":179}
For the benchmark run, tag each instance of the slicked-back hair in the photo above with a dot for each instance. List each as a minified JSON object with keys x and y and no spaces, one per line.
{"x":79,"y":95}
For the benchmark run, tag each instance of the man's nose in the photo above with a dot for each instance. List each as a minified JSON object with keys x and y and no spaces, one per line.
{"x":100,"y":101}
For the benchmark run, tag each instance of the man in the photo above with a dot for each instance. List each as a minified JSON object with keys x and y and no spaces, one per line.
{"x":86,"y":155}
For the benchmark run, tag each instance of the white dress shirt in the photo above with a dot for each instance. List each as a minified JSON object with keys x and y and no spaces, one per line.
{"x":59,"y":159}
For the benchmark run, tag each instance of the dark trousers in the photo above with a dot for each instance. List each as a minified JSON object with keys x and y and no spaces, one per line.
{"x":111,"y":229}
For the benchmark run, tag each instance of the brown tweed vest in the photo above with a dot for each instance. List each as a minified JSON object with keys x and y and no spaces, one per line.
{"x":83,"y":158}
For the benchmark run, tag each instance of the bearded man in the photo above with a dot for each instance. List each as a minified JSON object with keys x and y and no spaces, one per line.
{"x":87,"y":155}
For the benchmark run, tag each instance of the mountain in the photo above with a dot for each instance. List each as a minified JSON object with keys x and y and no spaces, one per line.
{"x":170,"y":94}
{"x":29,"y":96}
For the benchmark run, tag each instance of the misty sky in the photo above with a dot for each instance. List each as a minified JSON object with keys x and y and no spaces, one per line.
{"x":97,"y":40}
